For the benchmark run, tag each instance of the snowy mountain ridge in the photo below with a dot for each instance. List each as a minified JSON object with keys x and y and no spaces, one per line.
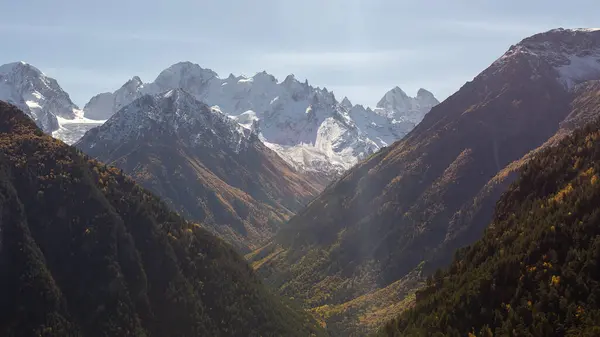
{"x":572,"y":54}
{"x":307,"y":126}
{"x":170,"y":112}
{"x":36,"y":94}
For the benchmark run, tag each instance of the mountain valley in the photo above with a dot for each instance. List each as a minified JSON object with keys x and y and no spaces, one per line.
{"x":474,"y":216}
{"x":401,"y":214}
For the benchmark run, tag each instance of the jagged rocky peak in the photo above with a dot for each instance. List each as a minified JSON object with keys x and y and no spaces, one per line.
{"x":392,"y":97}
{"x":425,"y":94}
{"x":345,"y":103}
{"x":298,"y":89}
{"x":289,"y":80}
{"x":264,"y":76}
{"x":395,"y":101}
{"x":134,"y":83}
{"x":37,"y":94}
{"x":397,"y":105}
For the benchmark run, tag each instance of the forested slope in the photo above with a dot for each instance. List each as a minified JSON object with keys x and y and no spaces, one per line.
{"x":535,"y":272}
{"x":84,"y":251}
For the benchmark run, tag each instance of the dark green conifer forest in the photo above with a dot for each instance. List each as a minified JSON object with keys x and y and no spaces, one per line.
{"x":536,"y":271}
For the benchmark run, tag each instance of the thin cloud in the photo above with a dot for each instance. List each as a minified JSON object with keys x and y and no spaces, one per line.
{"x":336,"y":59}
{"x":495,"y":26}
{"x":46,"y":30}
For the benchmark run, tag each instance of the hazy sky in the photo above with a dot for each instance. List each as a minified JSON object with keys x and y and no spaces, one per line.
{"x":358,"y":48}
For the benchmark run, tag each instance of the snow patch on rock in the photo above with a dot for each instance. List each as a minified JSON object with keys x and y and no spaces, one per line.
{"x":174,"y":112}
{"x":36,"y":94}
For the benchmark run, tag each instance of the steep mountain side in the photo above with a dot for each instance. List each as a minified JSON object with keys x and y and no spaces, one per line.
{"x":534,"y":272}
{"x":305,"y":125}
{"x":468,"y":223}
{"x":38,"y":95}
{"x":206,"y":166}
{"x":402,"y":209}
{"x":84,"y":251}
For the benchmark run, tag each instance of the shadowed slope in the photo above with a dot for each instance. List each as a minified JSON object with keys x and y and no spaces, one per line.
{"x":84,"y":251}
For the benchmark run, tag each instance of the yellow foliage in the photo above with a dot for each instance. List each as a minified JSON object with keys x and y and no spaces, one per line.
{"x":594,"y":180}
{"x":579,"y":312}
{"x":555,"y":280}
{"x":560,"y":196}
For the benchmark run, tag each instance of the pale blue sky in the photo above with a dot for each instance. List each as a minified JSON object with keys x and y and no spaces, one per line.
{"x":358,"y":48}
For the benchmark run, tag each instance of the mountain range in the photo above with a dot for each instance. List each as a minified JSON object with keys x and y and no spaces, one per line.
{"x":305,"y":125}
{"x":354,"y":254}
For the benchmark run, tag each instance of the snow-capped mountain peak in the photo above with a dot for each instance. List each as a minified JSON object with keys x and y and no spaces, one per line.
{"x":184,"y":75}
{"x":397,"y":105}
{"x":393,"y":98}
{"x":425,"y":94}
{"x":573,"y":55}
{"x":177,"y":114}
{"x":35,"y":93}
{"x":20,"y":67}
{"x":134,"y":83}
